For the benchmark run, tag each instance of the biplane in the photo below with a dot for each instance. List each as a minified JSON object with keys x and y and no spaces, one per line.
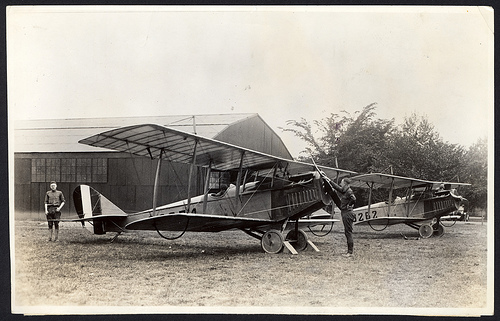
{"x":269,"y":195}
{"x":417,"y":203}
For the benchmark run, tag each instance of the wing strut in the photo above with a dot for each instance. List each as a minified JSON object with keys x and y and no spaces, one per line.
{"x":191,"y":169}
{"x":390,"y":195}
{"x":157,"y":179}
{"x":370,"y":199}
{"x":207,"y":187}
{"x":238,"y":183}
{"x":408,"y":198}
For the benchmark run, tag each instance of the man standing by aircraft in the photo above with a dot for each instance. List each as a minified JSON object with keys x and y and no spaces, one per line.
{"x":347,"y":200}
{"x":54,"y":201}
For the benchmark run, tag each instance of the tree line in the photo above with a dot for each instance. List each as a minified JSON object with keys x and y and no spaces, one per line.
{"x":363,"y":143}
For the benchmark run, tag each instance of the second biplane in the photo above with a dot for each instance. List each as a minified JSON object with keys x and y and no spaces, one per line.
{"x":268,"y":195}
{"x":421,"y":204}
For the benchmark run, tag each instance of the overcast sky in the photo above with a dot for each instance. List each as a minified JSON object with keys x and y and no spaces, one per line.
{"x":282,"y":63}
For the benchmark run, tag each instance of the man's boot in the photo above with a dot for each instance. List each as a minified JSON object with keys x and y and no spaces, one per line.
{"x":57,"y":234}
{"x":50,"y":237}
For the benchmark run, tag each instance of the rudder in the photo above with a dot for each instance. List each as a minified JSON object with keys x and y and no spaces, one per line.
{"x":90,"y":203}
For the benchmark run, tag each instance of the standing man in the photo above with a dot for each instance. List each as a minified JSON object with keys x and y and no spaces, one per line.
{"x":346,"y":203}
{"x":54,"y":201}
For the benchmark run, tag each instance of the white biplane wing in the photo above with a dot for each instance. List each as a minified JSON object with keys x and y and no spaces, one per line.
{"x":195,"y":223}
{"x":379,"y":180}
{"x":151,"y":140}
{"x":387,"y":221}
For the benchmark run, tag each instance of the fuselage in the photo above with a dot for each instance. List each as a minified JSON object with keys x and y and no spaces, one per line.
{"x":427,"y":207}
{"x":273,"y":200}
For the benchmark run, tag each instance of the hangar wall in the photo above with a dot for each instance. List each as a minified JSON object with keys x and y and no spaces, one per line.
{"x":129,"y":182}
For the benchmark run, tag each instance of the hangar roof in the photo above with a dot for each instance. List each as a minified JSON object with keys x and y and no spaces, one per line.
{"x":62,"y":135}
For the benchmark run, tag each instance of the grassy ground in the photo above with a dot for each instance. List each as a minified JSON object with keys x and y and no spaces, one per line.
{"x":229,"y":270}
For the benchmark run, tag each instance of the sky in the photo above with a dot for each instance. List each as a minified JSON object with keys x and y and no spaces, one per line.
{"x":284,"y":63}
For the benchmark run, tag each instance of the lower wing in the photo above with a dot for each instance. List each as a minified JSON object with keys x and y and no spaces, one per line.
{"x":196,"y":223}
{"x":391,"y":220}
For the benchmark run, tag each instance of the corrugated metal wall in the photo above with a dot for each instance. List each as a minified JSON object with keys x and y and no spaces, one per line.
{"x":130,"y":184}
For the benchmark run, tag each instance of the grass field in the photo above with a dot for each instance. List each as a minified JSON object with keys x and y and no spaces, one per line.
{"x":228,"y":272}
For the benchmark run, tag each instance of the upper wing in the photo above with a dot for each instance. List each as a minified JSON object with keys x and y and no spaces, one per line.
{"x":378,"y":180}
{"x":154,"y":140}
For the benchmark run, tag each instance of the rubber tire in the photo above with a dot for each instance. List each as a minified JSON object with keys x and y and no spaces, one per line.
{"x":425,"y":231}
{"x":438,"y":230}
{"x":272,"y":241}
{"x":299,"y":242}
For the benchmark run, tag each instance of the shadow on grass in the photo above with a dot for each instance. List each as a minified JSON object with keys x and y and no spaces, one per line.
{"x":135,"y":247}
{"x":387,"y":235}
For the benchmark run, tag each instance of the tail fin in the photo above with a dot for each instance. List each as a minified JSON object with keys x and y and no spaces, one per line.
{"x":90,"y":203}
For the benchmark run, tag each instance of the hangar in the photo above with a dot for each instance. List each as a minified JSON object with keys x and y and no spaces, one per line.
{"x":46,"y":150}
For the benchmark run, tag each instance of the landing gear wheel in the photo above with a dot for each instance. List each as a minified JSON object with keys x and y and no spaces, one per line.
{"x":425,"y":231}
{"x":297,"y":240}
{"x":272,"y":241}
{"x":438,"y":229}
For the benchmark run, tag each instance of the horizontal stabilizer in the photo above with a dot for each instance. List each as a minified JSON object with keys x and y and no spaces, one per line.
{"x":451,"y":217}
{"x":94,"y":218}
{"x":312,"y":222}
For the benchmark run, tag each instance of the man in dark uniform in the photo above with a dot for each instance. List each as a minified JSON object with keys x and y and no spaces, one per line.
{"x":345,"y":201}
{"x":54,"y":201}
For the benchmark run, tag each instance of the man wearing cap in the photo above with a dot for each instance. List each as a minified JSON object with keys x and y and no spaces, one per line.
{"x":54,"y":201}
{"x":346,"y":204}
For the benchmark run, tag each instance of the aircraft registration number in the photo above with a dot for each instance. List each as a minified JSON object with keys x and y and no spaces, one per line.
{"x":359,"y":217}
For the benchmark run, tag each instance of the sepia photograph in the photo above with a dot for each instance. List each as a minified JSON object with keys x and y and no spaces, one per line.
{"x":251,"y":160}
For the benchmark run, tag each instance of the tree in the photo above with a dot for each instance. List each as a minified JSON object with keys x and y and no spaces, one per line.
{"x":356,"y":141}
{"x":476,"y":173}
{"x":416,"y":150}
{"x":363,"y":145}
